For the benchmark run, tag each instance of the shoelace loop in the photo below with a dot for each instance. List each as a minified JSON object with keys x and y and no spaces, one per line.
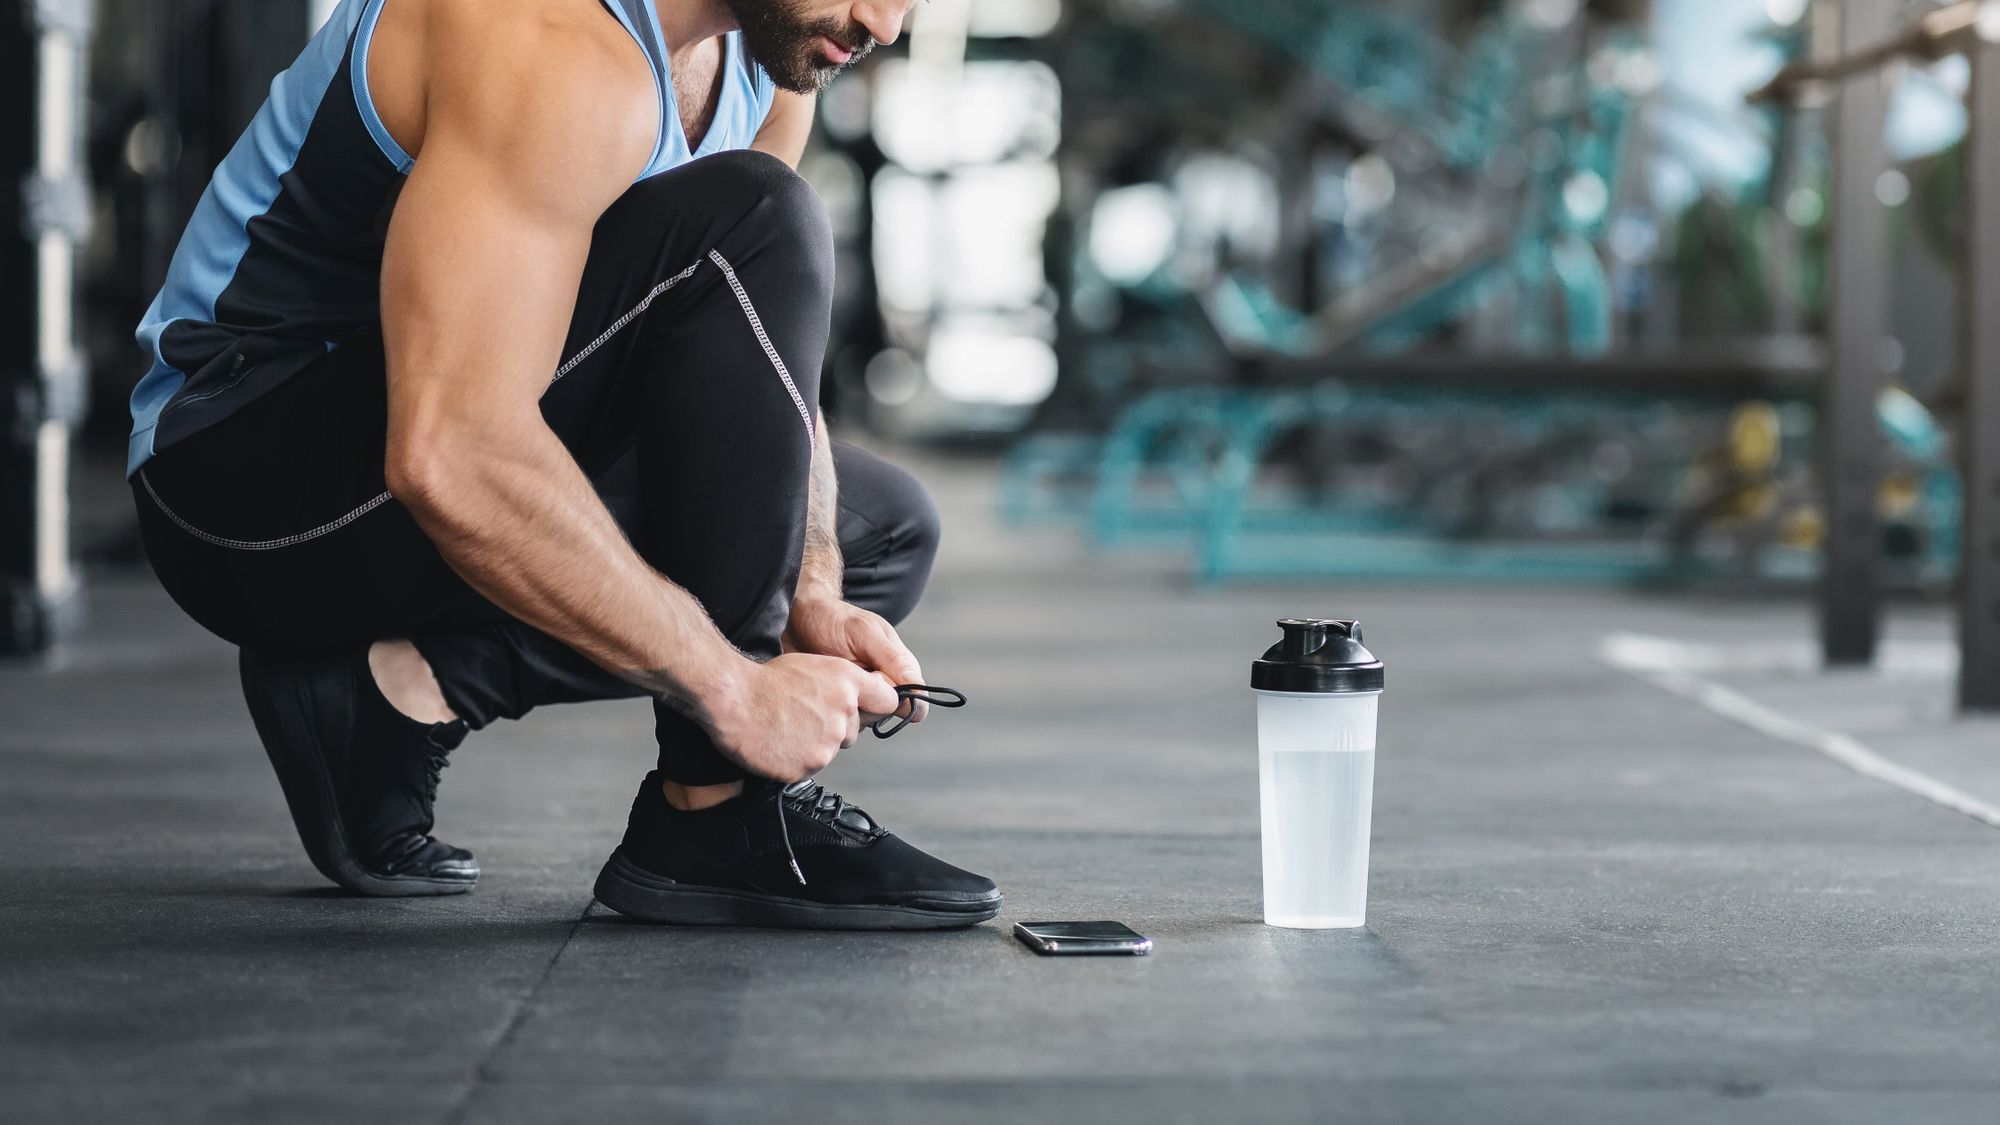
{"x":888,"y":726}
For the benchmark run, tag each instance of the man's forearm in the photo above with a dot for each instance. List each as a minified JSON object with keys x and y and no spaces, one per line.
{"x":822,"y":570}
{"x":519,"y":521}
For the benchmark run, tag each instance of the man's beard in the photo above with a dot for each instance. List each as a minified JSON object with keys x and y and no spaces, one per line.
{"x":785,"y":42}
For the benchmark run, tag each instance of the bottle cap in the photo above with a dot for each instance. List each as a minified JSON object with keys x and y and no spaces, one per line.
{"x":1318,"y":655}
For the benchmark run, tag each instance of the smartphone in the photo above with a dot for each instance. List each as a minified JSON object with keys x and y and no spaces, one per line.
{"x":1069,"y":939}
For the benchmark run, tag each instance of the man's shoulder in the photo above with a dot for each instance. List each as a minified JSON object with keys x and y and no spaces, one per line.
{"x":563,"y":64}
{"x":542,"y":48}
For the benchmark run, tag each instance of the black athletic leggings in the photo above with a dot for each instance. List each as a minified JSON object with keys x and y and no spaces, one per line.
{"x":687,"y":396}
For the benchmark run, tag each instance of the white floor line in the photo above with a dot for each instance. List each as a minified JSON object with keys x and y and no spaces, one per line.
{"x":1645,"y":657}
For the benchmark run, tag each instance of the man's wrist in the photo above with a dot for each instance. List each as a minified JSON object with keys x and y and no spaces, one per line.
{"x":721,"y":687}
{"x":817,"y":595}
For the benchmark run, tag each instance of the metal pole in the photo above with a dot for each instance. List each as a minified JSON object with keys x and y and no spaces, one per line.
{"x":44,"y":216}
{"x":1851,"y":461}
{"x":1979,"y":579}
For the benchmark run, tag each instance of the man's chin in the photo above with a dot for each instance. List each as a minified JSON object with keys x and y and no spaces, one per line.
{"x":806,"y":80}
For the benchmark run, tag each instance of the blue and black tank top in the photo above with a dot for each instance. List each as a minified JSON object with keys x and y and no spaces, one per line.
{"x":283,"y":258}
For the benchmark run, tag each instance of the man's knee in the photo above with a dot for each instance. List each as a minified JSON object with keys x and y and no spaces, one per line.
{"x":780,"y":207}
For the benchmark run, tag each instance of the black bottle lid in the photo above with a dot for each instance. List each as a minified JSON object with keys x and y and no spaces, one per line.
{"x":1318,"y":655}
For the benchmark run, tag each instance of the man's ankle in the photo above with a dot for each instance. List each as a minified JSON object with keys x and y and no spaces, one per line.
{"x":694,"y":798}
{"x":405,"y":679}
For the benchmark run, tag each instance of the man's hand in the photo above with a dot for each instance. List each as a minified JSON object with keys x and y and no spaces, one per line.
{"x":792,"y":715}
{"x":830,"y":627}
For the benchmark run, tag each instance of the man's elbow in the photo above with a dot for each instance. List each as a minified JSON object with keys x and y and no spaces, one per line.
{"x":444,"y":457}
{"x":414,"y":479}
{"x":421,"y":465}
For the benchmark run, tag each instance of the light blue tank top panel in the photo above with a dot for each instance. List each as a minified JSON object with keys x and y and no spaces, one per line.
{"x":282,"y":259}
{"x":747,"y":91}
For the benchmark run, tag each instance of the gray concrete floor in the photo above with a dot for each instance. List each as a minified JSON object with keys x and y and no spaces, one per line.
{"x":1593,"y":900}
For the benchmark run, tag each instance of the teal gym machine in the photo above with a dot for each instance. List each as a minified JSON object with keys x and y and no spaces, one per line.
{"x":1546,"y":181}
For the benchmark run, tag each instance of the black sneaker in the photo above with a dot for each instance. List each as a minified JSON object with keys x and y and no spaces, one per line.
{"x":793,"y":856}
{"x":360,"y":777}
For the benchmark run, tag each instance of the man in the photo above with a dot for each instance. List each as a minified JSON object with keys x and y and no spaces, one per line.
{"x":486,"y":377}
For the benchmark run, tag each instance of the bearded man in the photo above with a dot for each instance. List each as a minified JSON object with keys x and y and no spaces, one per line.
{"x":486,"y":376}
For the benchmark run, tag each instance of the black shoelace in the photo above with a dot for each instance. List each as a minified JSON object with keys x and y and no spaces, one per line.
{"x":814,"y":796}
{"x":434,"y":763}
{"x":810,"y":795}
{"x":437,"y":755}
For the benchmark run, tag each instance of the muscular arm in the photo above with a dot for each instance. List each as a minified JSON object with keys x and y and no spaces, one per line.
{"x":529,"y":134}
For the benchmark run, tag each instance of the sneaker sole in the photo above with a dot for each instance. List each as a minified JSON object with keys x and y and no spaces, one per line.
{"x":284,"y":710}
{"x":637,"y":893}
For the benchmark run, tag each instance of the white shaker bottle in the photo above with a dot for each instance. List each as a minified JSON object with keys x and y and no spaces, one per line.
{"x":1316,"y":695}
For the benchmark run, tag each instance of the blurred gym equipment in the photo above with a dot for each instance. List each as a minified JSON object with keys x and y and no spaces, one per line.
{"x":1449,"y":357}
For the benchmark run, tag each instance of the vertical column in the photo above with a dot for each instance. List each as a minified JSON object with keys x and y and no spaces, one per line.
{"x":1979,"y":579}
{"x":44,"y":216}
{"x":1850,"y":455}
